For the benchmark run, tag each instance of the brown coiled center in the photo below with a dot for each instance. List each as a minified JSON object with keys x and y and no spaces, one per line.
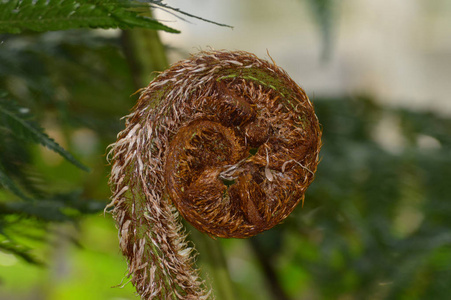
{"x":243,"y":166}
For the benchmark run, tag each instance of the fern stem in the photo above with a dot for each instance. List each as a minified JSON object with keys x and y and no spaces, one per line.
{"x":146,"y":54}
{"x":213,"y":264}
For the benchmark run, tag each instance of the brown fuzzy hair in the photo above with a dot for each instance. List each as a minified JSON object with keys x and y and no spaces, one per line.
{"x":230,"y":141}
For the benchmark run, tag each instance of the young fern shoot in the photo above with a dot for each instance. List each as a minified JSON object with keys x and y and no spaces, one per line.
{"x":226,"y":140}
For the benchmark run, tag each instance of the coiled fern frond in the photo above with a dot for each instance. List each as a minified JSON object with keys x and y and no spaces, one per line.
{"x":228,"y":141}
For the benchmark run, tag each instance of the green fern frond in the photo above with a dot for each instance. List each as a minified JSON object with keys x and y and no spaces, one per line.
{"x":9,"y":184}
{"x":19,"y":250}
{"x":161,"y":5}
{"x":17,"y":16}
{"x":62,"y":207}
{"x":17,"y":121}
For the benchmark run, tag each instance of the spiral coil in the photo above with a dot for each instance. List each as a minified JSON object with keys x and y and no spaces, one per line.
{"x":228,"y":139}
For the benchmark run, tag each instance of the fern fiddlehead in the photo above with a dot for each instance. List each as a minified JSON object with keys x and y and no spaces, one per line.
{"x":229,"y":140}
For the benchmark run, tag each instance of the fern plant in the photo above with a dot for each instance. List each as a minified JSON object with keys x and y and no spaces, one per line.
{"x":17,"y":131}
{"x":18,"y":122}
{"x":18,"y":16}
{"x":44,"y":15}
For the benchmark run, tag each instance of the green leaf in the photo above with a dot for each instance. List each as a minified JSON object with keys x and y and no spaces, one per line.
{"x":17,"y":16}
{"x":15,"y":120}
{"x":19,"y":250}
{"x":161,"y":5}
{"x":8,"y":183}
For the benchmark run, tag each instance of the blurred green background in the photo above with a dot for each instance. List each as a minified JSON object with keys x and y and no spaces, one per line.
{"x":375,"y":223}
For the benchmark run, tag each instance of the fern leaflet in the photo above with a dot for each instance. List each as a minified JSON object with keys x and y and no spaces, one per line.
{"x":8,"y":183}
{"x":16,"y":120}
{"x":17,"y":16}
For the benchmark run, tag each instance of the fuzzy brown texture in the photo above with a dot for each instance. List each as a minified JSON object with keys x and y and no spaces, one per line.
{"x":228,"y":139}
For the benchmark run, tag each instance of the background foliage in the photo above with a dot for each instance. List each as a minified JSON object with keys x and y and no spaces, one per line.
{"x":375,"y":223}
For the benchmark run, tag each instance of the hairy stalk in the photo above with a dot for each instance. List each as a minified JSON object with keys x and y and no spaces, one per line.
{"x":224,"y":139}
{"x":146,"y":54}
